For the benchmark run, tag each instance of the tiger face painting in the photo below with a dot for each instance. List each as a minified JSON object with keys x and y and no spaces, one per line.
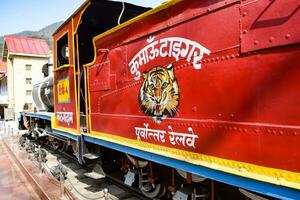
{"x":159,"y":95}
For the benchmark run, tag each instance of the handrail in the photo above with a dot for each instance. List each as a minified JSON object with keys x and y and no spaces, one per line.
{"x":62,"y":67}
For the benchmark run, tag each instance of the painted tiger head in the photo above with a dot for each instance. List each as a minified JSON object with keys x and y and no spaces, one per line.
{"x":159,"y":95}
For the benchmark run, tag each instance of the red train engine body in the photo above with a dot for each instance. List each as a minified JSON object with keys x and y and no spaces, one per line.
{"x":209,"y":87}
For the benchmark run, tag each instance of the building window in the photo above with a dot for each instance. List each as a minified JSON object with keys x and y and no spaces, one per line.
{"x":28,"y":92}
{"x":27,"y":67}
{"x":28,"y":80}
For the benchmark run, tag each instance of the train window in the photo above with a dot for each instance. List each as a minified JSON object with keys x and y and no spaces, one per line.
{"x":62,"y":50}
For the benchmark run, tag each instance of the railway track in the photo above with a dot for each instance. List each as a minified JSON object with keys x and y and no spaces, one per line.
{"x":116,"y":188}
{"x":81,"y":185}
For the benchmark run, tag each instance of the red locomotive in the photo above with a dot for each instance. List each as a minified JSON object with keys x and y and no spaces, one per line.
{"x":205,"y":88}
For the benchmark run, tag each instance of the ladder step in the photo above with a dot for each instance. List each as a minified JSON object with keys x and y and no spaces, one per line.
{"x":91,"y":156}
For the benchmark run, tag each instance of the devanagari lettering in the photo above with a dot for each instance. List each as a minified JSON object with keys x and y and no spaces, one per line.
{"x":176,"y":47}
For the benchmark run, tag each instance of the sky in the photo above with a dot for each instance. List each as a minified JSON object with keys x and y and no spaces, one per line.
{"x":22,"y":15}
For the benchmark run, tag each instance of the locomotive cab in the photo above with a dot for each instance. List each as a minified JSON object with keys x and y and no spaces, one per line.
{"x":73,"y":48}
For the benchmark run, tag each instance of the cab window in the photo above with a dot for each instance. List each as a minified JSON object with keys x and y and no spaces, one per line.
{"x":62,"y":51}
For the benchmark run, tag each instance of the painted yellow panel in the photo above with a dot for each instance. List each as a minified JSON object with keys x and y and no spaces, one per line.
{"x":64,"y":91}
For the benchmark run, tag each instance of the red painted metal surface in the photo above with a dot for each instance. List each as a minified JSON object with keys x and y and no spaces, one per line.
{"x":241,"y":107}
{"x":63,"y":109}
{"x":23,"y":45}
{"x":262,"y":19}
{"x":69,"y":72}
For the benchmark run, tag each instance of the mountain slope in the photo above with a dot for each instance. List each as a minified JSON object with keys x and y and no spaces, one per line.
{"x":44,"y":33}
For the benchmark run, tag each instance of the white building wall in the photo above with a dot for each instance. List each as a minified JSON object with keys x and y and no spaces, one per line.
{"x":10,"y":83}
{"x":3,"y":91}
{"x":19,"y":84}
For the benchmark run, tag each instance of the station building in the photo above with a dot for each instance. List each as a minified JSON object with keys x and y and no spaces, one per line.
{"x":22,"y":61}
{"x":3,"y":88}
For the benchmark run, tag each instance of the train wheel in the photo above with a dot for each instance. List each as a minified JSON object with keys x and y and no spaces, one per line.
{"x":63,"y":147}
{"x":163,"y":193}
{"x":56,"y":144}
{"x":74,"y":146}
{"x":151,"y":192}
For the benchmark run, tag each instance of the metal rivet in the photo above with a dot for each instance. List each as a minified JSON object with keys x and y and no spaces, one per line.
{"x":287,"y":36}
{"x":194,"y":109}
{"x":232,"y":56}
{"x":219,"y":115}
{"x":231,"y":115}
{"x":245,"y":31}
{"x":244,"y":14}
{"x":256,"y":42}
{"x":271,"y":39}
{"x":281,"y":132}
{"x":295,"y":133}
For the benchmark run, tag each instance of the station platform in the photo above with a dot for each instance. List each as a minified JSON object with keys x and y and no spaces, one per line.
{"x":13,"y":184}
